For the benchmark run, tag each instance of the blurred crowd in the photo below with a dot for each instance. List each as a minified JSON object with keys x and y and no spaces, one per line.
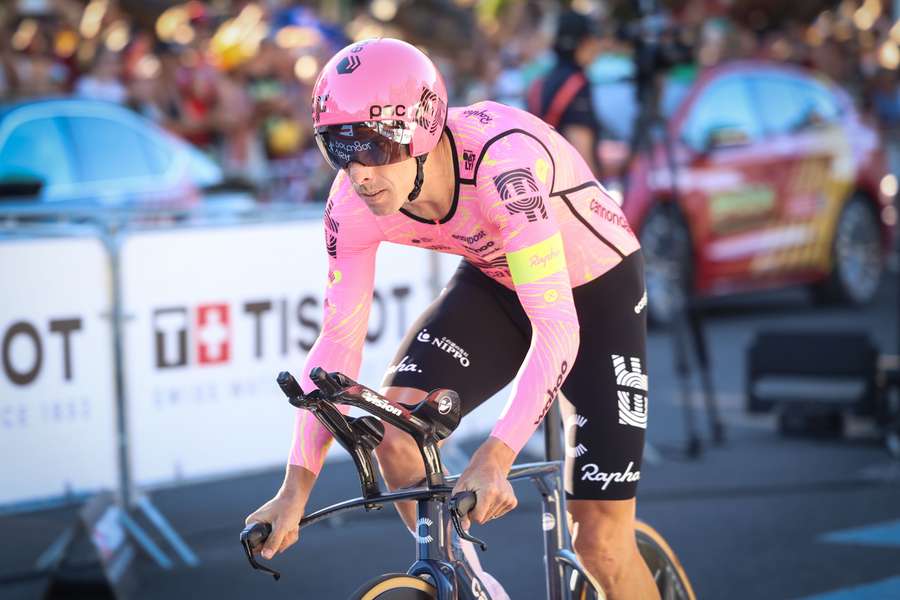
{"x":234,"y":77}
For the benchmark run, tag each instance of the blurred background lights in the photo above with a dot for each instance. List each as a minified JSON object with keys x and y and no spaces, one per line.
{"x":238,"y":39}
{"x":117,"y":36}
{"x":184,"y":34}
{"x":384,"y":10}
{"x":169,"y":22}
{"x":147,"y":67}
{"x":889,"y":185}
{"x":306,"y":68}
{"x":66,"y":43}
{"x":293,"y":36}
{"x":895,"y":32}
{"x":92,"y":18}
{"x":866,"y":15}
{"x":889,"y":55}
{"x":24,"y":34}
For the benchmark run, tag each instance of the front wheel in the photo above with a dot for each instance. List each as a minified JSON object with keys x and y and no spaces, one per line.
{"x":395,"y":586}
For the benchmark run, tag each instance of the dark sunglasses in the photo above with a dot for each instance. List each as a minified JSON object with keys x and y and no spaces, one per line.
{"x":371,"y":144}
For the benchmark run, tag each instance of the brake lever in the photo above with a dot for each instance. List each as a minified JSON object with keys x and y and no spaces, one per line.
{"x":455,"y":518}
{"x":252,"y":537}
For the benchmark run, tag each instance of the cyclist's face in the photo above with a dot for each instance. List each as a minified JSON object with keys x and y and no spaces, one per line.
{"x":384,"y":189}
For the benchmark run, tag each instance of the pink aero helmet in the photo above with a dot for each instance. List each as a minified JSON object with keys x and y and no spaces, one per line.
{"x":384,"y":85}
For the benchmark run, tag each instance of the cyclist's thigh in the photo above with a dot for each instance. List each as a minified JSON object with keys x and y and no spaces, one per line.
{"x":470,"y":340}
{"x":605,"y":405}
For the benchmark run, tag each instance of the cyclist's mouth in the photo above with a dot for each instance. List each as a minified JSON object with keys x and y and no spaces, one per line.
{"x":371,"y":197}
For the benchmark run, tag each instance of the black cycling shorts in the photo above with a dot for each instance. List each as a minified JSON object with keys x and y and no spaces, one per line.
{"x":473,"y":339}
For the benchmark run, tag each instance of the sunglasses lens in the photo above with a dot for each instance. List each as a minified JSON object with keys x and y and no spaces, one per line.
{"x":358,"y":142}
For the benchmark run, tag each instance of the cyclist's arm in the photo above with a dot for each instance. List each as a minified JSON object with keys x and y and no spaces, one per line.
{"x":514,"y":184}
{"x":348,"y":296}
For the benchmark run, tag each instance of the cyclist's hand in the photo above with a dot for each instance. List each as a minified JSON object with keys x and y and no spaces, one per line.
{"x":284,"y":514}
{"x":486,"y":476}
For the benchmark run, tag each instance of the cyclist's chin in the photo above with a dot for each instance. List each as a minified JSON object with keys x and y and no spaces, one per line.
{"x":382,"y":204}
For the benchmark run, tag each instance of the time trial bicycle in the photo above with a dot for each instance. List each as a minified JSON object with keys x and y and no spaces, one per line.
{"x":440,"y":571}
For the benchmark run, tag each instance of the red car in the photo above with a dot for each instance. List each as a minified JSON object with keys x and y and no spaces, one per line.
{"x":779,"y":181}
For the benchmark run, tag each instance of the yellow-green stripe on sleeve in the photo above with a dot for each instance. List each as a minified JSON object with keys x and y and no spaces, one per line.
{"x":537,"y":261}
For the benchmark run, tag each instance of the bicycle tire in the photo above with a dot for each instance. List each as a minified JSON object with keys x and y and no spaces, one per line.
{"x":395,"y":586}
{"x":671,"y":579}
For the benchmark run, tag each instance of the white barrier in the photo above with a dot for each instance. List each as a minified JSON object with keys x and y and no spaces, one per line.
{"x":57,"y":402}
{"x":212,"y":316}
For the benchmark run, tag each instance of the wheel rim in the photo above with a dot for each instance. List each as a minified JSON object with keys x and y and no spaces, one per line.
{"x":858,"y":253}
{"x":666,"y":249}
{"x":671,"y":580}
{"x":664,"y":576}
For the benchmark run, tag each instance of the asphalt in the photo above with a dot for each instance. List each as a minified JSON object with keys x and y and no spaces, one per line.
{"x":753,"y":518}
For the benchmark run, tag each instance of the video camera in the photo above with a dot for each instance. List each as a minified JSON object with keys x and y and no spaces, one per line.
{"x":658,"y":43}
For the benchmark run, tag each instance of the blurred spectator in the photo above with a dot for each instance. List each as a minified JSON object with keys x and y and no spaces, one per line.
{"x":35,"y":69}
{"x":242,"y":94}
{"x":104,"y":80}
{"x":8,"y":80}
{"x":563,"y":97}
{"x":886,"y":100}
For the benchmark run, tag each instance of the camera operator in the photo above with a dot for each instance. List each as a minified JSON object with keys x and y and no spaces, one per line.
{"x":562,"y":97}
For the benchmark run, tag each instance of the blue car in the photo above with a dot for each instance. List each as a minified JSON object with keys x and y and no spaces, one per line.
{"x":74,"y":154}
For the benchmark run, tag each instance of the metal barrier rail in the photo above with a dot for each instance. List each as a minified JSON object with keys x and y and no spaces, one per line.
{"x":127,"y":234}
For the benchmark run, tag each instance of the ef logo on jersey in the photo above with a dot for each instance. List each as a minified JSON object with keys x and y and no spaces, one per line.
{"x":519,"y":190}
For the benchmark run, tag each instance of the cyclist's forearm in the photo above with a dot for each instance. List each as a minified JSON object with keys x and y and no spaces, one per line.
{"x":311,"y":440}
{"x":298,"y":484}
{"x":554,"y":347}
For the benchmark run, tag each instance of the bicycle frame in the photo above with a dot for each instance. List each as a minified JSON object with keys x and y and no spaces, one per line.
{"x":432,"y":556}
{"x":430,"y":421}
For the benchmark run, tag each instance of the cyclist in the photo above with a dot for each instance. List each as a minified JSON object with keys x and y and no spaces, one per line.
{"x":549,"y":295}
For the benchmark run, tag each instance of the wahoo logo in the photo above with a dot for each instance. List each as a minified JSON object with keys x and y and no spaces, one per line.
{"x":571,"y":422}
{"x":348,"y":64}
{"x":517,"y":183}
{"x":632,"y":401}
{"x":552,"y":394}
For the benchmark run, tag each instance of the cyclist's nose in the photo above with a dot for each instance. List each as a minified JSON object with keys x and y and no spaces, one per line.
{"x":359,"y":173}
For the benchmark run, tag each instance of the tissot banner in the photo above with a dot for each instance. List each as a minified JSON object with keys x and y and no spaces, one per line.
{"x":213,"y":316}
{"x":57,"y":401}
